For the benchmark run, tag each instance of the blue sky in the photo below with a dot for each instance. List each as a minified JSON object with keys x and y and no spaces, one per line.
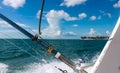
{"x":63,"y":19}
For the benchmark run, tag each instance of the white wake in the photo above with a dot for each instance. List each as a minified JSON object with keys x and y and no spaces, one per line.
{"x":3,"y":68}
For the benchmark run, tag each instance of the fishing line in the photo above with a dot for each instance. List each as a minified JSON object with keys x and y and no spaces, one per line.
{"x":18,"y":46}
{"x":27,"y":43}
{"x":30,"y":30}
{"x":21,"y":49}
{"x":27,"y":27}
{"x":41,"y":38}
{"x":37,"y":52}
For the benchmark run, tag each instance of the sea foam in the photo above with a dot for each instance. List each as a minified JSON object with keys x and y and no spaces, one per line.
{"x":3,"y":68}
{"x":48,"y":68}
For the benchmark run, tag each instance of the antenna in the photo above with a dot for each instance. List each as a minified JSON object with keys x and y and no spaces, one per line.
{"x":40,"y":20}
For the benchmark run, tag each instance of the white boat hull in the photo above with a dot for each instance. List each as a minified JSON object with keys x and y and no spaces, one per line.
{"x":109,"y":60}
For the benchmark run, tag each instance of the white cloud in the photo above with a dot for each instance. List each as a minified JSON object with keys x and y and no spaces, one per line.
{"x":75,"y":25}
{"x":106,"y":13}
{"x":117,"y":5}
{"x":22,"y":25}
{"x":72,"y":3}
{"x":92,"y":32}
{"x":14,"y":3}
{"x":71,"y":33}
{"x":53,"y":18}
{"x":7,"y":30}
{"x":11,"y":33}
{"x":92,"y":18}
{"x":4,"y":24}
{"x":99,"y":17}
{"x":60,"y":14}
{"x":108,"y":33}
{"x":82,"y":15}
{"x":38,"y":14}
{"x":109,"y":15}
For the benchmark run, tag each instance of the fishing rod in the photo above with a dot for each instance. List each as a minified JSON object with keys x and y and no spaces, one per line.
{"x":48,"y":47}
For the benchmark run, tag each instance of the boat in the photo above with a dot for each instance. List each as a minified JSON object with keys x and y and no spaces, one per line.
{"x":109,"y":59}
{"x":108,"y":62}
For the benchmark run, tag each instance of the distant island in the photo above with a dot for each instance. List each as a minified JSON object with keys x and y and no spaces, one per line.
{"x":95,"y":38}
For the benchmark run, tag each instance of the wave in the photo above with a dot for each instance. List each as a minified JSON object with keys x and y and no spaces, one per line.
{"x":3,"y":68}
{"x":20,"y":62}
{"x":44,"y":67}
{"x":50,"y":67}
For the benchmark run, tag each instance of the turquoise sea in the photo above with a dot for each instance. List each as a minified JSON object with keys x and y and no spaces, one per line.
{"x":25,"y":56}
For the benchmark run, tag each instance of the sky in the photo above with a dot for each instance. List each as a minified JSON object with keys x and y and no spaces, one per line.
{"x":62,"y":19}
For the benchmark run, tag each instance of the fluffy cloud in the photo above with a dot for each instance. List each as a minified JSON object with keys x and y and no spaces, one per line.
{"x":71,"y":33}
{"x":4,"y":24}
{"x":38,"y":14}
{"x":82,"y":15}
{"x":109,"y":15}
{"x":7,"y":31}
{"x":117,"y":5}
{"x":53,"y":17}
{"x":11,"y":33}
{"x":92,"y":32}
{"x":14,"y":3}
{"x":108,"y":33}
{"x":71,"y":3}
{"x":99,"y":17}
{"x":60,"y":14}
{"x":92,"y":18}
{"x":106,"y":14}
{"x":75,"y":25}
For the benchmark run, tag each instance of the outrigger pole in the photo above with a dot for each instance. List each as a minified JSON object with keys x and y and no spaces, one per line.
{"x":40,"y":20}
{"x":49,"y":48}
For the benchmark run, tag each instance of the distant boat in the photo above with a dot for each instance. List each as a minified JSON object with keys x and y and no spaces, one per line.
{"x":109,"y":59}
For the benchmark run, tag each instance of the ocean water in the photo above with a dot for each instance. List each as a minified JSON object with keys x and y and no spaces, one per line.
{"x":25,"y":56}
